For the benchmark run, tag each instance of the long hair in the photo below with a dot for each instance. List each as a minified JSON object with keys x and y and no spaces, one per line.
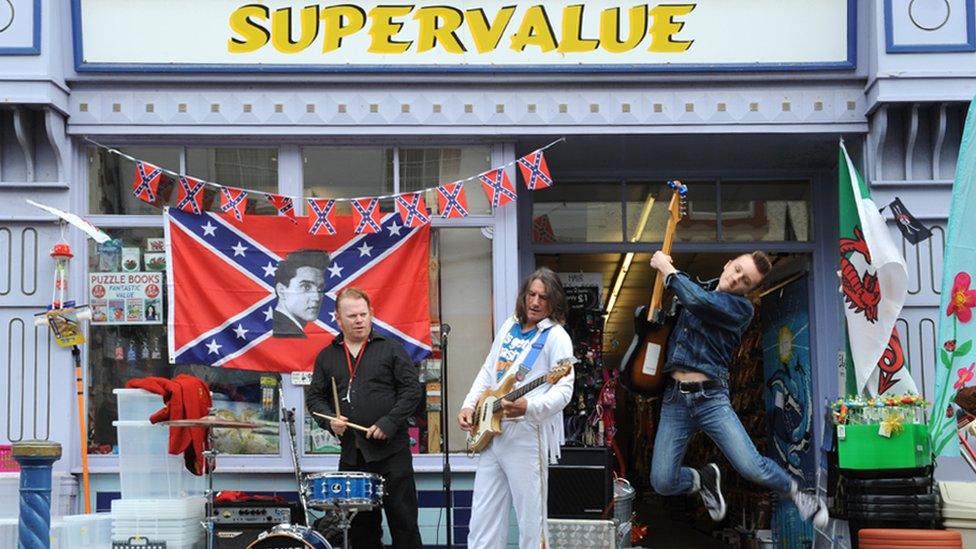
{"x":554,"y":292}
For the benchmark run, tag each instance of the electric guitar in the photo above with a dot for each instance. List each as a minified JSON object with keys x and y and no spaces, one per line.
{"x":488,"y":412}
{"x":642,"y":368}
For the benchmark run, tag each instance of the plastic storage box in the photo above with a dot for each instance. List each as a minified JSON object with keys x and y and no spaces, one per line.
{"x":146,"y":468}
{"x":92,"y":531}
{"x":959,"y":509}
{"x":137,"y":404}
{"x":175,"y":521}
{"x":861,"y":447}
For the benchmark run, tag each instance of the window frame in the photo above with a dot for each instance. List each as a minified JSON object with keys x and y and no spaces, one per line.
{"x":500,"y":223}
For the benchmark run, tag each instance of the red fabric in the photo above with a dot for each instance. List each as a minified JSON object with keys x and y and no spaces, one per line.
{"x":186,"y":397}
{"x":230,"y":496}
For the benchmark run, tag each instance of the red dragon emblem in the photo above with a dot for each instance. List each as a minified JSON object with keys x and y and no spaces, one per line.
{"x":861,"y":293}
{"x":891,"y":362}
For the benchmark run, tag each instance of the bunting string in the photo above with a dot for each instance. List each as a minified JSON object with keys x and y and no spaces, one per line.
{"x":495,"y":182}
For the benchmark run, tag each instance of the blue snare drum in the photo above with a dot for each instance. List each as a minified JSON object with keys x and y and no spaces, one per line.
{"x":290,"y":536}
{"x":344,"y":489}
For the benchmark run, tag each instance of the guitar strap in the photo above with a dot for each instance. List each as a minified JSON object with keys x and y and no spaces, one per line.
{"x":521,"y":369}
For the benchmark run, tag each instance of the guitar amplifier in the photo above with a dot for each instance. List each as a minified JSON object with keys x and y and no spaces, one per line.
{"x":581,"y":485}
{"x":238,"y":524}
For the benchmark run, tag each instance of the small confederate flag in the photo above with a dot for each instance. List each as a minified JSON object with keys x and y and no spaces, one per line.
{"x":233,"y":200}
{"x":412,"y":209}
{"x":321,"y":216}
{"x":452,"y":200}
{"x":498,"y":187}
{"x":535,"y":172}
{"x":285,"y":206}
{"x":146,"y":181}
{"x":190,"y":195}
{"x":366,"y":215}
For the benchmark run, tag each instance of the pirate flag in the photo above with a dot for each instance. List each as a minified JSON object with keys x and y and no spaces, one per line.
{"x":910,"y":227}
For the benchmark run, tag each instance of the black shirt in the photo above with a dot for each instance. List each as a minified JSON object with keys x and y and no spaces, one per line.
{"x":385,"y":392}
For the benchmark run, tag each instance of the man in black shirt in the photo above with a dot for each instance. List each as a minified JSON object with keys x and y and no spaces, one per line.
{"x":378,"y":386}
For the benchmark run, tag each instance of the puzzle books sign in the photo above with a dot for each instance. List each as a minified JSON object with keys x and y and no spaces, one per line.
{"x":126,"y":298}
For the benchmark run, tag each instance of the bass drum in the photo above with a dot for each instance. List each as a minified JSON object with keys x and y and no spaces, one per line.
{"x":290,"y":536}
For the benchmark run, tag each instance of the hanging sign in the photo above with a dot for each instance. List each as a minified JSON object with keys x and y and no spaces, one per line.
{"x":126,"y":298}
{"x":583,"y":290}
{"x":548,"y":35}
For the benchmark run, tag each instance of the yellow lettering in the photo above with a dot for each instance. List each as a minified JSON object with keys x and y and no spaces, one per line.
{"x":572,"y":40}
{"x":535,"y":30}
{"x":339,"y":22}
{"x":281,"y":29}
{"x":610,"y":29}
{"x":253,"y":36}
{"x":384,"y":28}
{"x":486,"y":36}
{"x":665,"y":27}
{"x":437,"y":24}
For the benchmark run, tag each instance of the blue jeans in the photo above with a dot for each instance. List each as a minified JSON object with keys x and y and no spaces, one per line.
{"x":682,"y":414}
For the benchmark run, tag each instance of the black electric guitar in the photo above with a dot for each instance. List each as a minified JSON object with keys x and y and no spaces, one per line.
{"x":642,"y":368}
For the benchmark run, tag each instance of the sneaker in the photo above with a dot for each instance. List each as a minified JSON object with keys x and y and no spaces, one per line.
{"x":710,"y":488}
{"x":811,"y":508}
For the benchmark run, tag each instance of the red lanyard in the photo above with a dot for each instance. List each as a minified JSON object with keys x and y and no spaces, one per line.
{"x":353,"y":367}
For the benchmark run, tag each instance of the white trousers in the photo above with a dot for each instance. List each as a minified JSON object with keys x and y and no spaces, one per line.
{"x":512,"y":470}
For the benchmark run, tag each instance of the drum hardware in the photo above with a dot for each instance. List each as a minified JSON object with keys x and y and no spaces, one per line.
{"x":210,"y":458}
{"x":344,"y":493}
{"x":288,"y":417}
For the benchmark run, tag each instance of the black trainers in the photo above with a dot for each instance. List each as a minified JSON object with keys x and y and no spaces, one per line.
{"x":710,"y":489}
{"x":811,"y":507}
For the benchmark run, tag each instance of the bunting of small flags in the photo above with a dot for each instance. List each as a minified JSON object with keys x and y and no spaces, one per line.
{"x":366,"y":215}
{"x":146,"y":181}
{"x":451,"y":197}
{"x":452,"y":201}
{"x":234,"y":201}
{"x":412,"y":209}
{"x":284,"y":205}
{"x":321,"y":216}
{"x":498,"y":187}
{"x":535,"y":172}
{"x":189,"y":196}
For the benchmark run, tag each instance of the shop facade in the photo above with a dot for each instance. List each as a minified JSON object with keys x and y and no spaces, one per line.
{"x":753,"y":129}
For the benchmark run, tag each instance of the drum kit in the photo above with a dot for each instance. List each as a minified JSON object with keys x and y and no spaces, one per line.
{"x":343,"y":493}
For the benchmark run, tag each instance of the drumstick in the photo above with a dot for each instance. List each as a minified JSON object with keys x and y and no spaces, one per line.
{"x":335,"y":398}
{"x":348,"y":424}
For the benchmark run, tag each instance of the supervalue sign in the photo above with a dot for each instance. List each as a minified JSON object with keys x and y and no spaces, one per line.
{"x":483,"y":35}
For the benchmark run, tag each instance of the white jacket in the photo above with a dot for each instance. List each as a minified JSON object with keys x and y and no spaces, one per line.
{"x":546,"y":402}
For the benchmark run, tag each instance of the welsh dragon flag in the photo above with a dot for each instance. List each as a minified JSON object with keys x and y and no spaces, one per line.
{"x":873,"y":283}
{"x":957,"y":327}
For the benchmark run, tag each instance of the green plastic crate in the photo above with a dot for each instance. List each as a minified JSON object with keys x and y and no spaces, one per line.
{"x":863,"y":448}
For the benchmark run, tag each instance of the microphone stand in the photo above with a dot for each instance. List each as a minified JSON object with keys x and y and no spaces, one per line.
{"x":288,"y":417}
{"x":445,"y":448}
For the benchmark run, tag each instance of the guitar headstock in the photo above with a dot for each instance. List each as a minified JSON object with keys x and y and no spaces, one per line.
{"x":678,"y":207}
{"x":562,"y":369}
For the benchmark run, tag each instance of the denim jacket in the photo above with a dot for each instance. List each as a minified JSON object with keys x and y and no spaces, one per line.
{"x":709,"y":328}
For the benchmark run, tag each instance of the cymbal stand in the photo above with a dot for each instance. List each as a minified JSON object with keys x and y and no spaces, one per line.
{"x":288,"y":417}
{"x":210,"y":462}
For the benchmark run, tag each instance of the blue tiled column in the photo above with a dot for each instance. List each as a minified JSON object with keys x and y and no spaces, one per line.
{"x":35,"y":458}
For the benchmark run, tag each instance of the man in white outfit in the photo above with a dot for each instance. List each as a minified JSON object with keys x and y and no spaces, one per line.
{"x":514,"y":468}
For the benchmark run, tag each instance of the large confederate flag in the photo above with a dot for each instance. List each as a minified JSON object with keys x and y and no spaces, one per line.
{"x":222,"y":299}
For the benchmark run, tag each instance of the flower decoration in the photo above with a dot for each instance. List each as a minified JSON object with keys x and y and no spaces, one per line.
{"x":949,"y":345}
{"x":964,"y":376}
{"x":962,"y":299}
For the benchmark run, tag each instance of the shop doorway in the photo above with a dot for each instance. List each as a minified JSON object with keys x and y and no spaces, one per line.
{"x":771,"y":391}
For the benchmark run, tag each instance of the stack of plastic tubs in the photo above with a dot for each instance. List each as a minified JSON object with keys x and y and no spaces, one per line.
{"x":161,"y":500}
{"x":81,"y":532}
{"x":891,"y":498}
{"x":959,"y":509}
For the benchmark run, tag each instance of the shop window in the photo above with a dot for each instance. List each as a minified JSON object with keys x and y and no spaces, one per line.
{"x":577,"y":212}
{"x":460,"y":295}
{"x":427,"y":168}
{"x":110,"y":178}
{"x":127,"y":340}
{"x":647,"y":212}
{"x":255,"y":169}
{"x":347,"y":172}
{"x":778,"y":211}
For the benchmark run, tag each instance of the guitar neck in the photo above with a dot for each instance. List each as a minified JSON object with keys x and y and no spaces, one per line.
{"x":519,"y":393}
{"x":658,"y":292}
